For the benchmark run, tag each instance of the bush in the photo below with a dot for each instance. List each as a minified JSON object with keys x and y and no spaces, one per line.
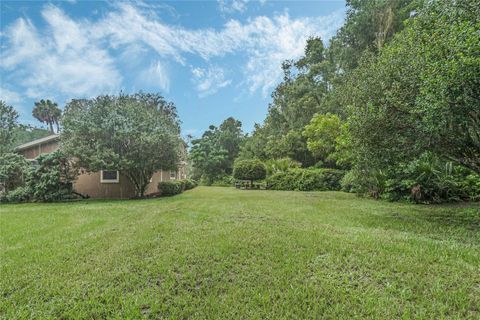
{"x":20,"y":194}
{"x":224,"y":181}
{"x":431,"y":180}
{"x":306,"y":180}
{"x":249,"y":170}
{"x":170,"y":188}
{"x":189,"y":184}
{"x":280,"y":165}
{"x":13,"y":170}
{"x":52,"y":178}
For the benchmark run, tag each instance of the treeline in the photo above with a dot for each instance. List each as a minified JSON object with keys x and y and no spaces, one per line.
{"x":393,"y":101}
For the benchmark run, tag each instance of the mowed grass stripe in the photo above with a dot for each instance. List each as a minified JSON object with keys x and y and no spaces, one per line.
{"x":226,"y":253}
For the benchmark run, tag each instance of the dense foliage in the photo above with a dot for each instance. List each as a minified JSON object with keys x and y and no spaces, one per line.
{"x":136,"y":134}
{"x":48,"y":112}
{"x":50,"y":178}
{"x":306,"y":180}
{"x":213,"y":154}
{"x":250,"y":170}
{"x":394,"y":99}
{"x":8,"y":122}
{"x":280,"y":165}
{"x":26,"y":133}
{"x":171,"y":188}
{"x":13,"y":171}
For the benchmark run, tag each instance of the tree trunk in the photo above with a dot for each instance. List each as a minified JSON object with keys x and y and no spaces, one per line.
{"x":51,"y":126}
{"x":140,"y":181}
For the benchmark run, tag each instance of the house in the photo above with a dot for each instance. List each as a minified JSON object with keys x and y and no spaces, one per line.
{"x":105,"y":184}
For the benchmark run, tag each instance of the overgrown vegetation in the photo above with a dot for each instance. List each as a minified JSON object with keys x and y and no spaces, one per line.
{"x":394,"y":99}
{"x":49,"y":179}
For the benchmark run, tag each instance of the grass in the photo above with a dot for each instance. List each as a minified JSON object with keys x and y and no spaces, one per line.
{"x":224,"y":253}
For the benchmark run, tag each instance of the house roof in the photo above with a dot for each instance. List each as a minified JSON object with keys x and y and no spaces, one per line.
{"x":33,"y":143}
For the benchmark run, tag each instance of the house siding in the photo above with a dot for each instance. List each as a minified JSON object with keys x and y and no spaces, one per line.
{"x":35,"y":151}
{"x":89,"y":183}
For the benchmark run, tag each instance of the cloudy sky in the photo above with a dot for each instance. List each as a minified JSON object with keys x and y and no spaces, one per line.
{"x":214,"y":59}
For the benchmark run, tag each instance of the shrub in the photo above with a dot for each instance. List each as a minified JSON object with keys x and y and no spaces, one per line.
{"x":249,"y":170}
{"x":430,"y":179}
{"x":52,"y":178}
{"x":13,"y":170}
{"x":280,"y":165}
{"x":224,"y":181}
{"x":170,"y":188}
{"x":189,"y":184}
{"x":20,"y":194}
{"x":306,"y":180}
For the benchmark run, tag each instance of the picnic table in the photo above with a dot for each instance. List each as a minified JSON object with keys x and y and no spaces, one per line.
{"x":248,"y":185}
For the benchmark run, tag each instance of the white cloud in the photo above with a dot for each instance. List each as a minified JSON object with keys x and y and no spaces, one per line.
{"x":82,"y":58}
{"x":230,"y":6}
{"x":266,"y":42}
{"x":233,"y":6}
{"x":9,"y":96}
{"x":155,"y":75}
{"x":62,"y":59}
{"x":209,"y":81}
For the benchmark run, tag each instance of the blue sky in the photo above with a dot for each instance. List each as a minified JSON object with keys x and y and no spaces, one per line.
{"x":214,"y":59}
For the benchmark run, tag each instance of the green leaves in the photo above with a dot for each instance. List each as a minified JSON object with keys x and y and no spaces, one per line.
{"x":47,"y":111}
{"x":249,"y":170}
{"x":8,"y":122}
{"x":137,"y":134}
{"x":214,"y":153}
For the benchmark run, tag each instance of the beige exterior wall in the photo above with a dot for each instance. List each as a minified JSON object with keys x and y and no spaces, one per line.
{"x":90,"y":183}
{"x":35,"y":151}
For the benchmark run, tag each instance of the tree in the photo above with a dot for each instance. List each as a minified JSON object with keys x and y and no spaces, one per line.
{"x":214,"y":153}
{"x":230,"y":138}
{"x":295,"y":100}
{"x":47,"y":111}
{"x":26,"y":133}
{"x":8,"y":122}
{"x":322,"y":133}
{"x":208,"y":157}
{"x":250,"y":170}
{"x":136,"y":134}
{"x":422,"y":92}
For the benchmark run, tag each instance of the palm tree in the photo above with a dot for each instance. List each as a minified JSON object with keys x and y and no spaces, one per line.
{"x":47,"y":111}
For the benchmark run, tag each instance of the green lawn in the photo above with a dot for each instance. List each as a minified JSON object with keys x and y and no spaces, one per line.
{"x":225,"y":253}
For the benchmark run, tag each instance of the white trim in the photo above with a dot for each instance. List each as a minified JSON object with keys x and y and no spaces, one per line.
{"x":109,"y":180}
{"x":175,"y":175}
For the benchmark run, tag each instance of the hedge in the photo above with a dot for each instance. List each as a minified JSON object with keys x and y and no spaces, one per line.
{"x":306,"y":180}
{"x":171,"y":188}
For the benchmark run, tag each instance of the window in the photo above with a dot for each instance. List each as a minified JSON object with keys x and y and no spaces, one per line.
{"x":109,"y":176}
{"x":173,"y":175}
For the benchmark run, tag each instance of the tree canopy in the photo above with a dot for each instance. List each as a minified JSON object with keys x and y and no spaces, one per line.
{"x":48,"y":112}
{"x":8,"y":122}
{"x":214,"y":153}
{"x":136,"y":134}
